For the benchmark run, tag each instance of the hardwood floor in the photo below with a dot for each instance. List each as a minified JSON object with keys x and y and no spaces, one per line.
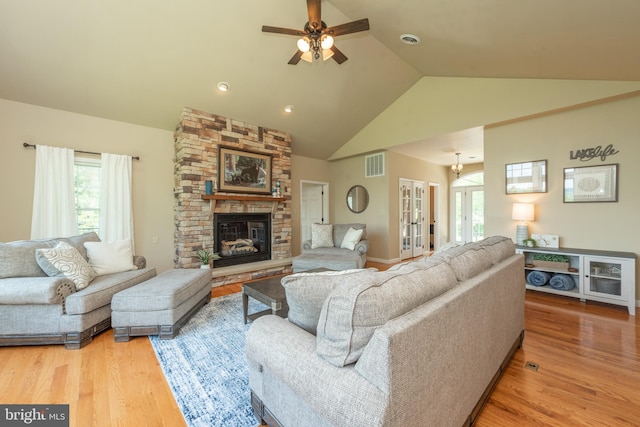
{"x":588,"y":357}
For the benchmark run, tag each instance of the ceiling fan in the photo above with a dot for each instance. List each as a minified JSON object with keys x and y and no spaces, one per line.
{"x":316,"y":40}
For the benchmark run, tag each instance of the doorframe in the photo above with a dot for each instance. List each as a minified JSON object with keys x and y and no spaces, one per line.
{"x":304,"y":184}
{"x":435,"y":187}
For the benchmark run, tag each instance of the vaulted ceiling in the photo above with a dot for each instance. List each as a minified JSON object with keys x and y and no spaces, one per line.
{"x":142,"y":61}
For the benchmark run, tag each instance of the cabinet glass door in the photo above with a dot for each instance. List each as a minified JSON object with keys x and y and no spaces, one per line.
{"x":603,"y":278}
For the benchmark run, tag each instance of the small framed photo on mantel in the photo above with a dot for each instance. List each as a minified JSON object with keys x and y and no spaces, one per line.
{"x":591,"y":184}
{"x":244,"y":171}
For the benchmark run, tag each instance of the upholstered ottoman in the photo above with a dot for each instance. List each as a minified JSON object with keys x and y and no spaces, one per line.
{"x":161,"y":305}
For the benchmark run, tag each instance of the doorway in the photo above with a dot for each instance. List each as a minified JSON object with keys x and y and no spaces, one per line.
{"x":412,"y":230}
{"x":314,"y":207}
{"x":467,"y":208}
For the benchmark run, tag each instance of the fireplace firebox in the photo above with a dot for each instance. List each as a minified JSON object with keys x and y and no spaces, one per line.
{"x":241,"y":238}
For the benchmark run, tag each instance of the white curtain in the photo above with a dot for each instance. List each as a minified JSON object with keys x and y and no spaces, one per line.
{"x":54,"y":205}
{"x":116,"y":207}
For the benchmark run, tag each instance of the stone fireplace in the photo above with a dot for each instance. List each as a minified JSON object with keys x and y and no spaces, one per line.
{"x":197,"y":138}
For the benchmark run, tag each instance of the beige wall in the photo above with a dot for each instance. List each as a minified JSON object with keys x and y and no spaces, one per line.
{"x":606,"y":226}
{"x":152,"y":175}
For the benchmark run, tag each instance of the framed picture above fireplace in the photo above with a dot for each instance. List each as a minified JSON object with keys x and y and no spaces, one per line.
{"x":244,"y":171}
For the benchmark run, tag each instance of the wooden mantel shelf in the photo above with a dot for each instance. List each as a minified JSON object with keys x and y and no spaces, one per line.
{"x":213,"y":198}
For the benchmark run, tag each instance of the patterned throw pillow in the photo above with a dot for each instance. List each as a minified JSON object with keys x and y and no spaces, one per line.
{"x":321,"y":236}
{"x":65,"y":261}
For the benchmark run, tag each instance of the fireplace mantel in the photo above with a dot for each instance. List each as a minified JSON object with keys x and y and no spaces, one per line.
{"x":213,"y":198}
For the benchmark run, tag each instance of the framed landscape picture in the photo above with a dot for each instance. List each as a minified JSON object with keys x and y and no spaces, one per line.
{"x":243,"y":171}
{"x":591,"y":184}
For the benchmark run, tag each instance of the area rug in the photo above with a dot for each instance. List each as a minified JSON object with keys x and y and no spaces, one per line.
{"x":206,"y":367}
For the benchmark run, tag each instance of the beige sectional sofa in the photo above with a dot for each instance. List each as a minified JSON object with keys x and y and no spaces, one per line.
{"x":421,"y":344}
{"x":38,"y":309}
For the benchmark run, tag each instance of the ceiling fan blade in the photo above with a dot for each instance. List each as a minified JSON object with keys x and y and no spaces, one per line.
{"x":313,"y":9}
{"x":278,"y":30}
{"x":338,"y":56}
{"x":349,"y":27}
{"x":295,"y":58}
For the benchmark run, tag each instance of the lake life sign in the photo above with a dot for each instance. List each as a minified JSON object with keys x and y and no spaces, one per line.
{"x":586,"y":154}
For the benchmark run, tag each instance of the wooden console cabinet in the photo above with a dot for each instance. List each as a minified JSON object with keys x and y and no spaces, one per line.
{"x":604,"y":276}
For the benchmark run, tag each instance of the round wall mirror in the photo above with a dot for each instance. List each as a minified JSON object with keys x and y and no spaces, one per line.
{"x":357,"y":199}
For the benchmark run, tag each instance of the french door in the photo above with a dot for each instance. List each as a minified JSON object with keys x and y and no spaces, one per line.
{"x":467,"y":210}
{"x":412,"y":233}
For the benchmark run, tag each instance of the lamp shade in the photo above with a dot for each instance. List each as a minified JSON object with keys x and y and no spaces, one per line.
{"x":522,"y":212}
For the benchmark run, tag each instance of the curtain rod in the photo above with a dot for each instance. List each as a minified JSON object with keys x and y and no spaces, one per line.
{"x":25,"y":145}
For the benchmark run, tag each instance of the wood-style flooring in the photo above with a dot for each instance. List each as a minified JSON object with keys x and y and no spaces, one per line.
{"x":588,"y":358}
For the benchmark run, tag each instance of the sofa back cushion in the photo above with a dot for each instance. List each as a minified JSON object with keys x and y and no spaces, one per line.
{"x":355,"y":309}
{"x":18,"y":259}
{"x":340,"y":230}
{"x":306,"y":293}
{"x":466,"y":260}
{"x":498,"y":247}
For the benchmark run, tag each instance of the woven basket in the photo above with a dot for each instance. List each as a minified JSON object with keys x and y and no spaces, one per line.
{"x":551,"y":264}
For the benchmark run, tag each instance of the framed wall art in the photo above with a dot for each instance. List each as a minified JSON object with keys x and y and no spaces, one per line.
{"x":526,"y":177}
{"x":591,"y":184}
{"x":243,"y":171}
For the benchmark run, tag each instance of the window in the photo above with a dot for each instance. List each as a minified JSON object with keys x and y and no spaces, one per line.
{"x":87,"y":192}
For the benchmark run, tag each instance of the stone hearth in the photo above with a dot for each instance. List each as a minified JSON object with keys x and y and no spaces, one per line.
{"x":197,"y":139}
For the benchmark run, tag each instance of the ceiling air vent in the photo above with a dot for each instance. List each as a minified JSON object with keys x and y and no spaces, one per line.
{"x":374,"y":165}
{"x":410,"y":39}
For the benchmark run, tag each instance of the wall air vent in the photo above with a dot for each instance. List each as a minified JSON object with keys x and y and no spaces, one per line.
{"x":374,"y":165}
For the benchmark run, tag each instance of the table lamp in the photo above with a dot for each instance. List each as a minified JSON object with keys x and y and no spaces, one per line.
{"x":522,"y":212}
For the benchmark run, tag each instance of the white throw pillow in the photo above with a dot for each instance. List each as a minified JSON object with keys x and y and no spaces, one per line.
{"x":321,"y":236}
{"x":351,"y":238}
{"x":110,"y":257}
{"x":65,"y":261}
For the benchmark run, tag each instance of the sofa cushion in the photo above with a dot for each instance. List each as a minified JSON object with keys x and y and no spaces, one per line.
{"x":65,"y":261}
{"x":355,"y":309}
{"x":18,"y":259}
{"x":306,"y":293}
{"x":78,"y":242}
{"x":498,"y":247}
{"x":110,"y":257}
{"x":321,"y":236}
{"x":351,"y":238}
{"x":340,"y":230}
{"x":466,"y":260}
{"x":102,"y":289}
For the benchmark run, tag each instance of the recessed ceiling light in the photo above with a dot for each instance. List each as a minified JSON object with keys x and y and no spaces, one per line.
{"x":288,"y":108}
{"x":410,"y":39}
{"x":223,"y":86}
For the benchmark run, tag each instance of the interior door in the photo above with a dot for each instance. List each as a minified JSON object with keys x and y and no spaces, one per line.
{"x":314,"y":207}
{"x":412,"y":231}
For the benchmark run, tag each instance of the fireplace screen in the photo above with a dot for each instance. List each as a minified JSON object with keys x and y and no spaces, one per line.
{"x":242,"y":238}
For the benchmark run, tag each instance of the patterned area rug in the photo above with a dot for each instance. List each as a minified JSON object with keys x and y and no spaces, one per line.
{"x":206,"y":367}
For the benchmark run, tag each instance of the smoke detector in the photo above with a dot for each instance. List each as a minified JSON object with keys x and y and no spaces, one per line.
{"x":410,"y":39}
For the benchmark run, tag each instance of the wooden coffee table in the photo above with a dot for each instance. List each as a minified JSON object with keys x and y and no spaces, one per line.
{"x":268,"y":291}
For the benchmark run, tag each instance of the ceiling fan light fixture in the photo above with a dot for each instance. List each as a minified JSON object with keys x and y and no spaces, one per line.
{"x":326,"y":42}
{"x":303,"y":44}
{"x":326,"y":54}
{"x":307,"y":56}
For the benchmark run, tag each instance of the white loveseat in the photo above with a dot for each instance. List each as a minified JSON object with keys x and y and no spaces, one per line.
{"x":421,"y":344}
